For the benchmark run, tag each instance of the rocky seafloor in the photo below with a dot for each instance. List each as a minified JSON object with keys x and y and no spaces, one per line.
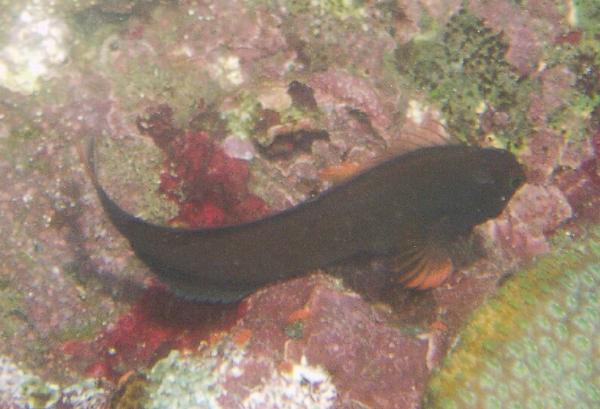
{"x":212,"y":113}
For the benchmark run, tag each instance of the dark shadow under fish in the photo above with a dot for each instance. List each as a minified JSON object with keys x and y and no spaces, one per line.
{"x":408,"y":206}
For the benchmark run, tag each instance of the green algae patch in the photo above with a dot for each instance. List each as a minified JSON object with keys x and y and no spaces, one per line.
{"x":131,"y":169}
{"x":132,"y":395}
{"x":463,"y":69}
{"x":40,"y":395}
{"x":11,"y":147}
{"x":294,"y":330}
{"x":152,"y":68}
{"x":269,"y":111}
{"x":12,"y":310}
{"x":579,"y":106}
{"x":535,"y":343}
{"x":339,"y":9}
{"x":587,"y":14}
{"x":241,"y":120}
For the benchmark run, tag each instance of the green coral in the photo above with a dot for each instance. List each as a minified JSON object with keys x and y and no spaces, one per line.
{"x":463,"y":68}
{"x":534,"y":345}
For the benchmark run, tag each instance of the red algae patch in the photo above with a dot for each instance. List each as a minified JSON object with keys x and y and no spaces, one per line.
{"x":157,"y":323}
{"x":210,"y":188}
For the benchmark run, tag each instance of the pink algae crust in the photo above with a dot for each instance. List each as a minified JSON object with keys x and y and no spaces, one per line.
{"x":581,"y":186}
{"x":367,"y":361}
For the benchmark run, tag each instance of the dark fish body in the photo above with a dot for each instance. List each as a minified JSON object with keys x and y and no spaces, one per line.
{"x":395,"y":206}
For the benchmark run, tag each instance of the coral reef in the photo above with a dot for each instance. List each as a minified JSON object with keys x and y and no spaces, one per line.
{"x":535,"y":343}
{"x":214,"y":112}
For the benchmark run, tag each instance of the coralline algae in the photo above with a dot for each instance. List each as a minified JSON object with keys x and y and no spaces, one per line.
{"x":535,"y":345}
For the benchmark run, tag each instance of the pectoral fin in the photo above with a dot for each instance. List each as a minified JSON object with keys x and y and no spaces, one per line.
{"x":422,"y":265}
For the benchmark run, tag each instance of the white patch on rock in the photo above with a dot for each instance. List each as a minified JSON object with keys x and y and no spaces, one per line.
{"x":238,"y":148}
{"x":36,"y":45}
{"x":572,"y":13}
{"x":275,"y":98}
{"x":17,"y":387}
{"x":227,"y":71}
{"x":415,"y":112}
{"x":304,"y":387}
{"x":182,"y":381}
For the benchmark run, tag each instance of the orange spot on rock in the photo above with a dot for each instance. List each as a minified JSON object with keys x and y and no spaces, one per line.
{"x":241,"y":337}
{"x":215,"y":337}
{"x":298,"y":315}
{"x":286,"y":367}
{"x":339,"y":173}
{"x":438,"y":326}
{"x":125,"y":377}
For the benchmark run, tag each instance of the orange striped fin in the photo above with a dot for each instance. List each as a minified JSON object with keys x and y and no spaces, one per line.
{"x":423,"y":266}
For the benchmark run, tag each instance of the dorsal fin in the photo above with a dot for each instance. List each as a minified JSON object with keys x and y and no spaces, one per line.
{"x":410,"y":140}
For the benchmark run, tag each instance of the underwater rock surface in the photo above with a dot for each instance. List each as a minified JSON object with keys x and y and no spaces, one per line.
{"x":276,"y":93}
{"x":305,"y":345}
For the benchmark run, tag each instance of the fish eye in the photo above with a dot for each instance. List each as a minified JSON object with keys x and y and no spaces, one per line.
{"x":482,"y":177}
{"x":515,"y":181}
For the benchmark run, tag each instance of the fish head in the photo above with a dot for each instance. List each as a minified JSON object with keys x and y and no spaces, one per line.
{"x":489,"y":180}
